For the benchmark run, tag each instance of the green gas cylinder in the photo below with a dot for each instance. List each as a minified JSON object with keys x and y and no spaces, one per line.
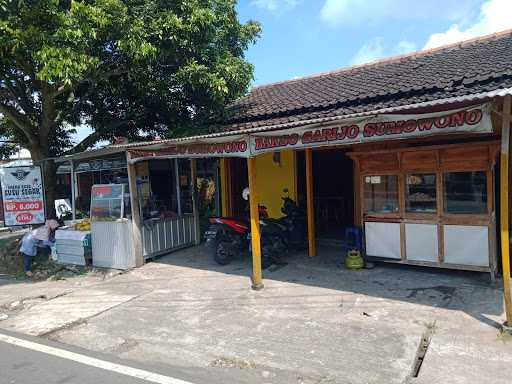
{"x":354,"y":260}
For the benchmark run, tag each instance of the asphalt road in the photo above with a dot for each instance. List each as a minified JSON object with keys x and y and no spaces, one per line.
{"x":31,"y":360}
{"x":20,"y":365}
{"x":23,"y":363}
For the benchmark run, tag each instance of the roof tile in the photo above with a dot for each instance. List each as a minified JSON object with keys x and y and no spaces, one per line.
{"x":479,"y":65}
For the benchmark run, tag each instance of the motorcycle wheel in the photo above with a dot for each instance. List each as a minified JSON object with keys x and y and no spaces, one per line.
{"x":266,"y":257}
{"x":223,"y":254}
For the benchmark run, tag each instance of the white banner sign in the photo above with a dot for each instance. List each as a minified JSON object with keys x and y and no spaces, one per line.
{"x":22,"y":193}
{"x":474,"y":119}
{"x":227,"y":146}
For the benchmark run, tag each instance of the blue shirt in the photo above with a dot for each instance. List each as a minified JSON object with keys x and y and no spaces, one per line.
{"x":29,"y":244}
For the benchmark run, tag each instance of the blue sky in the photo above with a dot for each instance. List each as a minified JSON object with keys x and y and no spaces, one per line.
{"x":304,"y":37}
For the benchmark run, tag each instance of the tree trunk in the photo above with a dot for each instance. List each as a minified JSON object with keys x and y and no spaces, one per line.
{"x":50,"y":185}
{"x":49,"y":173}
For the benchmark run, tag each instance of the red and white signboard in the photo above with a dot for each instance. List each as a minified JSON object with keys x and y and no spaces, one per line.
{"x":475,"y":119}
{"x":22,"y":193}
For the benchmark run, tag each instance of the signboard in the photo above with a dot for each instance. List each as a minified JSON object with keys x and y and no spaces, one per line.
{"x":474,"y":119}
{"x":228,"y":146}
{"x":107,"y":202}
{"x":22,"y":192}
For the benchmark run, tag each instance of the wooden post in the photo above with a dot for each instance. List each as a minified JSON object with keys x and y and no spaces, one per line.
{"x":225,"y":186}
{"x":195,"y":202}
{"x":310,"y":203}
{"x":73,"y":190}
{"x":178,"y":190}
{"x":257,"y":279}
{"x":504,"y":206}
{"x":136,"y":219}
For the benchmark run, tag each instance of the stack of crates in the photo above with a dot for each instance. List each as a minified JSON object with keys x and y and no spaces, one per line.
{"x":73,"y":247}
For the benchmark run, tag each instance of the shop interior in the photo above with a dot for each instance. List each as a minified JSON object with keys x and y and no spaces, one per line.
{"x":110,"y":170}
{"x":333,"y":191}
{"x":161,"y":181}
{"x":239,"y":181}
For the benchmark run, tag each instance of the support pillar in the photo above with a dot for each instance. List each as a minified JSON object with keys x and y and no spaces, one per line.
{"x":73,"y":190}
{"x":257,"y":279}
{"x":177,"y":182}
{"x":310,"y":203}
{"x":504,"y":207}
{"x":195,"y":202}
{"x":136,"y":216}
{"x":225,"y":186}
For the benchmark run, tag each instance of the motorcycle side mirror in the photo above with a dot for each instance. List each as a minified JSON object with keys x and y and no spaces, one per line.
{"x":245,"y":194}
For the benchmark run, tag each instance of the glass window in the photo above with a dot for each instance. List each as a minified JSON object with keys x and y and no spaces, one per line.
{"x":465,"y":192}
{"x":381,"y":194}
{"x":420,"y":193}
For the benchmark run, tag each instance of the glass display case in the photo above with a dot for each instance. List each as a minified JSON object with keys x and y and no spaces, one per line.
{"x":465,"y":192}
{"x":420,"y":193}
{"x":381,"y":194}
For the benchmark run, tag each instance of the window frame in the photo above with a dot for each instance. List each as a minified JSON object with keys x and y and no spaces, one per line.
{"x":381,"y":215}
{"x":440,"y":217}
{"x":445,"y":200}
{"x":419,"y":213}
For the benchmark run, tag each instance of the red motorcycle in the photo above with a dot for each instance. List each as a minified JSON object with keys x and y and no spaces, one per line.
{"x":229,"y":238}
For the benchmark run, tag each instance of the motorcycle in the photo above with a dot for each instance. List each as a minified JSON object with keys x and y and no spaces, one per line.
{"x":292,"y":226}
{"x":229,"y":237}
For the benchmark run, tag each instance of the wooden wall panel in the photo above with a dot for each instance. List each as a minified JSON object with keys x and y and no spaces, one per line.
{"x":419,"y":161}
{"x":465,"y":158}
{"x":380,"y":163}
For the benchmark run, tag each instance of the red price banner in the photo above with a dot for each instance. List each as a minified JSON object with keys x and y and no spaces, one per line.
{"x":16,"y":206}
{"x":101,"y":190}
{"x":25,"y":217}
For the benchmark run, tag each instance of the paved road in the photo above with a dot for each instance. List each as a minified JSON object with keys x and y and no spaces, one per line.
{"x":30,"y":360}
{"x":20,"y":365}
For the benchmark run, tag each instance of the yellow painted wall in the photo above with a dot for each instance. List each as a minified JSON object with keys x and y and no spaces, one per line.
{"x":272,"y":178}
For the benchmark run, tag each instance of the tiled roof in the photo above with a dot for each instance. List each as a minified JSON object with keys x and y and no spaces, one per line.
{"x":474,"y":66}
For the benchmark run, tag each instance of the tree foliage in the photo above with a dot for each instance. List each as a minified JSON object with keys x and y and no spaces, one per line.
{"x":135,"y":68}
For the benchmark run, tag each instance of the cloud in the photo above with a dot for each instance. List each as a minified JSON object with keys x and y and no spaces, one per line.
{"x":376,"y":49}
{"x":494,"y":16}
{"x":355,"y":12}
{"x":370,"y":51}
{"x":404,"y":46}
{"x":275,"y":5}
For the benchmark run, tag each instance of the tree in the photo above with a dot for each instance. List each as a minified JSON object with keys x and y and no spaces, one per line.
{"x":135,"y":68}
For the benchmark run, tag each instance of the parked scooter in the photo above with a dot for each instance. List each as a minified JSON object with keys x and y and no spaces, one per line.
{"x":293,"y":226}
{"x":230,"y":237}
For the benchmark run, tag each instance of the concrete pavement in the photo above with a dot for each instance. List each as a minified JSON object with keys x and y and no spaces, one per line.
{"x":313,"y":323}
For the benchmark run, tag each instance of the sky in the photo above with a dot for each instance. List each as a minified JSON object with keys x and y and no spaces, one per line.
{"x":304,"y":37}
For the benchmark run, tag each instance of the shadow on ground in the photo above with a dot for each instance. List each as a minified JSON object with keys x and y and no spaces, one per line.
{"x":470,"y":292}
